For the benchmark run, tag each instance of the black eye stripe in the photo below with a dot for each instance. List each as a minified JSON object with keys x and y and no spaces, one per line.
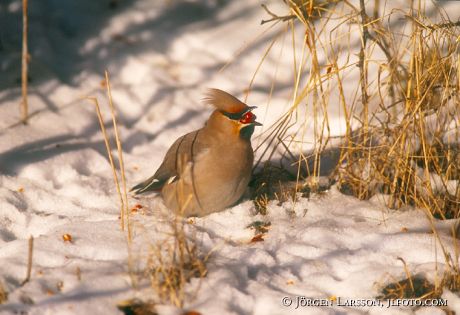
{"x":238,"y":116}
{"x":234,"y":116}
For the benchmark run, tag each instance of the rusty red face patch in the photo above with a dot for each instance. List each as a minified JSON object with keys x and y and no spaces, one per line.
{"x":248,"y":118}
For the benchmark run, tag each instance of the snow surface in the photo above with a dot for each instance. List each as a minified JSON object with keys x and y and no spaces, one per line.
{"x":55,"y":177}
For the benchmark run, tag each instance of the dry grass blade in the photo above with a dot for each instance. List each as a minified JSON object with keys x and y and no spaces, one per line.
{"x":25,"y":61}
{"x":112,"y":163}
{"x":409,"y":277}
{"x":120,"y":156}
{"x":123,"y":196}
{"x":29,"y":260}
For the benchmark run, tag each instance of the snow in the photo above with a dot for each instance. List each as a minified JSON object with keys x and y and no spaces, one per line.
{"x":161,"y":55}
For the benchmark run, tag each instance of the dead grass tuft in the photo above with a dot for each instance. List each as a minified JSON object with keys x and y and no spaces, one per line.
{"x":410,"y":288}
{"x":401,"y":135}
{"x":451,"y":280}
{"x":272,"y":183}
{"x":402,"y":126}
{"x":173,"y":262}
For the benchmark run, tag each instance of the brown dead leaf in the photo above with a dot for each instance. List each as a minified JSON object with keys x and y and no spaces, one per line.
{"x":136,"y":208}
{"x":258,"y":238}
{"x":67,"y":238}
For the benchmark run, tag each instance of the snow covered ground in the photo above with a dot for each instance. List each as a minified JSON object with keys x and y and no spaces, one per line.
{"x":55,"y":177}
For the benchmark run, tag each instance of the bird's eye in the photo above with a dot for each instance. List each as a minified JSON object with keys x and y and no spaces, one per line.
{"x":247,"y":118}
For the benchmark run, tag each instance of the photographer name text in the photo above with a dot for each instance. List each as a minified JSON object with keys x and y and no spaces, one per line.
{"x":303,"y":301}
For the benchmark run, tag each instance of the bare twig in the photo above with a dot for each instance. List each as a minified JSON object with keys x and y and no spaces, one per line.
{"x":25,"y":61}
{"x":433,"y":27}
{"x":29,"y":260}
{"x":362,"y":68}
{"x":275,"y":17}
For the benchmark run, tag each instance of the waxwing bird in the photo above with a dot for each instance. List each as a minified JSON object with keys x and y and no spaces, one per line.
{"x":208,"y":170}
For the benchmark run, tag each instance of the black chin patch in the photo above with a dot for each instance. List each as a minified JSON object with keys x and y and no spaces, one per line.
{"x":247,"y":131}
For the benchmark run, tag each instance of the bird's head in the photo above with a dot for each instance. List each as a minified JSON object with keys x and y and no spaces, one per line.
{"x":231,"y":115}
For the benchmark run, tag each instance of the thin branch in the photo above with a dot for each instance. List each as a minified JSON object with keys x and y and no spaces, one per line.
{"x":25,"y":61}
{"x":433,"y":27}
{"x":362,"y":66}
{"x":29,"y":260}
{"x":275,"y":17}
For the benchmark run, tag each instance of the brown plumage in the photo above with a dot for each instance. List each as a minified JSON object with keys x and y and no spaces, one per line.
{"x":208,"y":170}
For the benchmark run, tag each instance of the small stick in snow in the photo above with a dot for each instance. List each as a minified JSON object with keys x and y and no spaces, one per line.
{"x":25,"y":60}
{"x":29,"y":260}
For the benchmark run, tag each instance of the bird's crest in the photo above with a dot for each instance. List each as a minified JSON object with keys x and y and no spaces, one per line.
{"x":223,"y":101}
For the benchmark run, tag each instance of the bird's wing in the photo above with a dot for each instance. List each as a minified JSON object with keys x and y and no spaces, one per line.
{"x":184,"y":150}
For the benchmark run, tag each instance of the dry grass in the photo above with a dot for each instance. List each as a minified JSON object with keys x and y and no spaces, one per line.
{"x":175,"y":258}
{"x":406,"y":155}
{"x":124,"y":198}
{"x":451,"y":280}
{"x":173,"y":262}
{"x":417,"y":287}
{"x":123,"y":195}
{"x":275,"y":183}
{"x":410,"y":288}
{"x":402,"y":125}
{"x":401,"y":136}
{"x":271,"y":183}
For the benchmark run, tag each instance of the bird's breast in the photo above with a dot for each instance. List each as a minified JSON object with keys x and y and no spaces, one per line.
{"x":216,"y":178}
{"x":225,"y":171}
